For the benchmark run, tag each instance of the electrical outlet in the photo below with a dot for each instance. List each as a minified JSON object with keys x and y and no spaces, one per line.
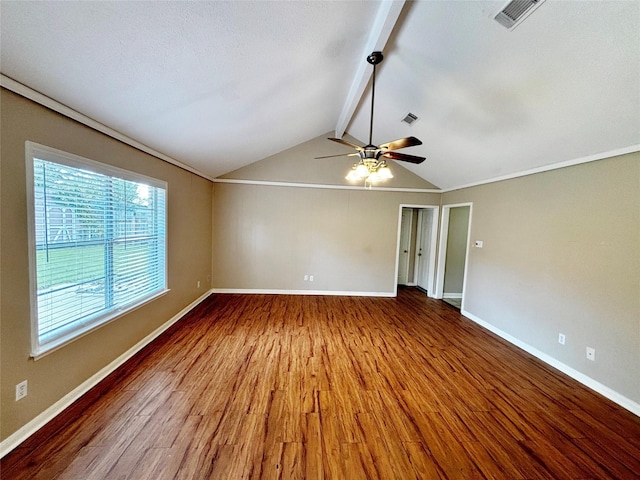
{"x":311,"y":278}
{"x":21,"y":390}
{"x":306,"y":278}
{"x":591,"y":354}
{"x":561,"y":338}
{"x":198,"y":284}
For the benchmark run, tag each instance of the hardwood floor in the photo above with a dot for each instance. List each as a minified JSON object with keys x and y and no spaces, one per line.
{"x":313,"y":387}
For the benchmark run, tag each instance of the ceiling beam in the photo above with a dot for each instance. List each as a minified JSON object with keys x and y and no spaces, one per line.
{"x":386,"y":19}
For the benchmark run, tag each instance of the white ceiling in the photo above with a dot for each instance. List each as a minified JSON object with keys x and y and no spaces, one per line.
{"x":219,"y":85}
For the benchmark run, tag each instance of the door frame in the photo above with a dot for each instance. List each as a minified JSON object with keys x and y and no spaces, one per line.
{"x":432,"y":245}
{"x":442,"y":249}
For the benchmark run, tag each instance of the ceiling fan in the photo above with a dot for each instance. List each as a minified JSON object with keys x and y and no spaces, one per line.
{"x":372,"y":165}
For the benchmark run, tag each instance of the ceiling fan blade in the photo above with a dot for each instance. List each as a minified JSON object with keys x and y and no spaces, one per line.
{"x":344,"y":142}
{"x":341,"y":155}
{"x":401,"y":143}
{"x":403,"y":157}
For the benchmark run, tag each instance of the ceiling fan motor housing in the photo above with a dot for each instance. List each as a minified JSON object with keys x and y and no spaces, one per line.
{"x":369,"y":152}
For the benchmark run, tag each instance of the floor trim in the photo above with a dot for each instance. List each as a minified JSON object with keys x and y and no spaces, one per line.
{"x":585,"y":380}
{"x":20,"y":435}
{"x":270,"y":291}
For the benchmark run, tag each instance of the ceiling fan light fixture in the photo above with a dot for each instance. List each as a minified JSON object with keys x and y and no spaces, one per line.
{"x":384,"y":172}
{"x":362,"y":171}
{"x":371,"y":171}
{"x":372,"y":167}
{"x":353,"y":176}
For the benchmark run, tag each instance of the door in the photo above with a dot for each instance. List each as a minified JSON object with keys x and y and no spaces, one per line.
{"x":416,"y":247}
{"x":423,"y":250}
{"x":404,"y":246}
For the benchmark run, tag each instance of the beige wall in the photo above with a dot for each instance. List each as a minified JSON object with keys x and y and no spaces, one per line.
{"x":562,"y":255}
{"x":269,"y":237}
{"x":189,"y":259}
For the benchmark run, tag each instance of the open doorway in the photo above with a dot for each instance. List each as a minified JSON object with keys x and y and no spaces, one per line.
{"x":453,"y":253}
{"x":416,"y":253}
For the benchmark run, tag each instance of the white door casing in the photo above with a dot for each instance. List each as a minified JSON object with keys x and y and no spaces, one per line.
{"x":431,"y":247}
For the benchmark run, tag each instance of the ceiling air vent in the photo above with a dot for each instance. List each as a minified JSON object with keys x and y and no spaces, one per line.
{"x":409,"y":118}
{"x":516,"y":11}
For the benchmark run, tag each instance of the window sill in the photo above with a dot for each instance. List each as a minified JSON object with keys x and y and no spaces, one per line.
{"x":53,"y":345}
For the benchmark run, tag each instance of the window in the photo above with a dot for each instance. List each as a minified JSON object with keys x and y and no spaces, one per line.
{"x":97,"y":243}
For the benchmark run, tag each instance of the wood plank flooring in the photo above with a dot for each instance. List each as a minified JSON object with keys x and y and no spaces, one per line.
{"x":313,"y":387}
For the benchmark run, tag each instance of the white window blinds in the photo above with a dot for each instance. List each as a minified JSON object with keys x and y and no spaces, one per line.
{"x":98,"y":245}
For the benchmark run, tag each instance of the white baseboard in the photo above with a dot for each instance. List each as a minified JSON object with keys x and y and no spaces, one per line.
{"x":19,"y":436}
{"x":261,"y":291}
{"x":587,"y":381}
{"x":15,"y":439}
{"x":451,"y":295}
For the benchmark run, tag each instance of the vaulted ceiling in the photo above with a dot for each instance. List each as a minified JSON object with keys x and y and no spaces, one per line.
{"x":219,"y":85}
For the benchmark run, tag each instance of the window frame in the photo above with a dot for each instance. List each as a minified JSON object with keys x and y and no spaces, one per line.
{"x":37,"y":151}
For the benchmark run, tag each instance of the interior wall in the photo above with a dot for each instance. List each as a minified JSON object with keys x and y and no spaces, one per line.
{"x":456,"y":250}
{"x":561,"y":254}
{"x":270,"y":237}
{"x":188,"y":251}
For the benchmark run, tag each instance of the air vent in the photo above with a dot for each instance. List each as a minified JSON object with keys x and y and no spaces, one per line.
{"x":516,"y":11}
{"x":409,"y":118}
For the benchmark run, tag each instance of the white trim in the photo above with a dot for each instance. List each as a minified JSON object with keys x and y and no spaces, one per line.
{"x":465,"y":275}
{"x":433,"y":253}
{"x":58,"y":107}
{"x":442,"y":255}
{"x":585,"y":380}
{"x":50,"y":154}
{"x":432,"y":246}
{"x":38,"y":351}
{"x":20,"y":435}
{"x":35,"y":151}
{"x":404,"y":224}
{"x":451,"y":295}
{"x":442,"y":249}
{"x":270,"y":291}
{"x":554,"y":166}
{"x":324,"y":186}
{"x":379,"y":32}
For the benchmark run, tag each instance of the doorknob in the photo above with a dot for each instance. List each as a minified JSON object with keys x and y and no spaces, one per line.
{"x":405,"y":251}
{"x":419,"y":254}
